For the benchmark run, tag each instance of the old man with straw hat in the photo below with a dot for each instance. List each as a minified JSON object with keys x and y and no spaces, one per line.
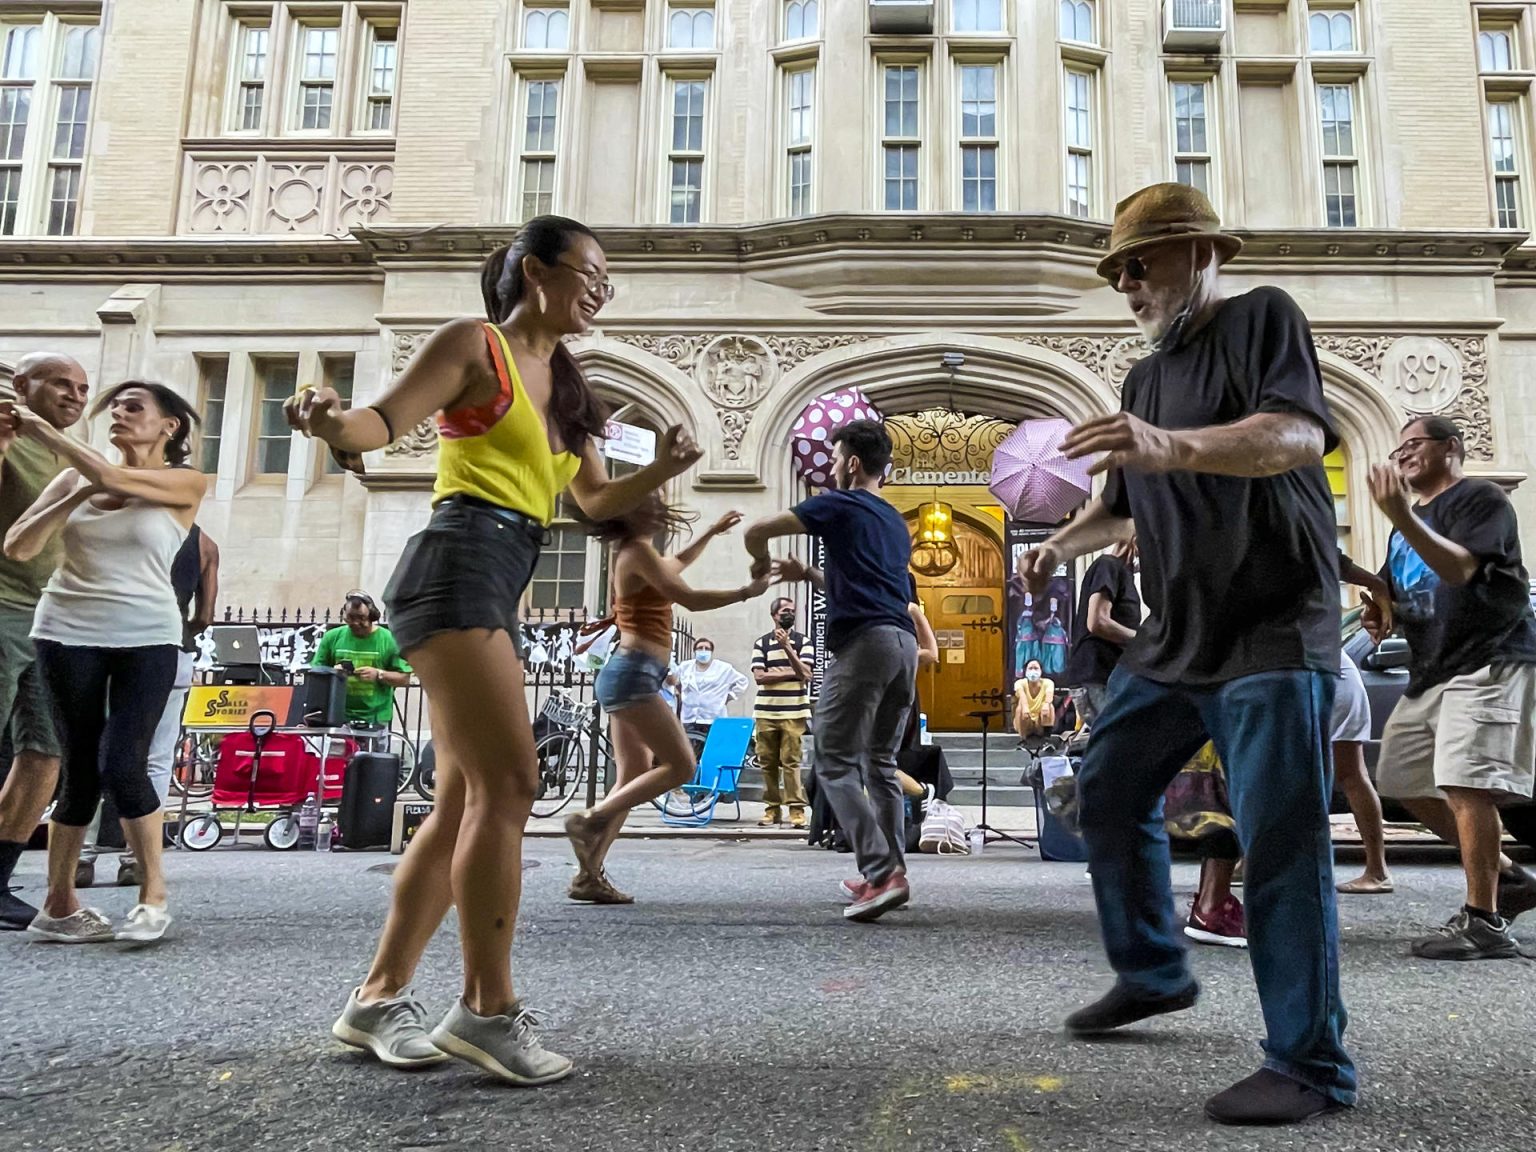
{"x":1215,"y":461}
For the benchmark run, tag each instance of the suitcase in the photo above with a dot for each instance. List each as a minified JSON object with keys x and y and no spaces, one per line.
{"x":367,"y":813}
{"x":325,"y":697}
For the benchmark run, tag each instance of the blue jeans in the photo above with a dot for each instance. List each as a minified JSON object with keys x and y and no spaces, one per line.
{"x":1271,"y":731}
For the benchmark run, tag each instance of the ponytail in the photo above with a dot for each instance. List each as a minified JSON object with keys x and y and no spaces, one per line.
{"x":574,"y":408}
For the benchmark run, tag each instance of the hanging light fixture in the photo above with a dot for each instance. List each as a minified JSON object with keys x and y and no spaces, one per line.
{"x":933,"y":547}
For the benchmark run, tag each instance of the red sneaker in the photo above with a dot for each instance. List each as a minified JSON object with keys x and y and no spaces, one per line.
{"x":853,"y":889}
{"x":1225,"y":927}
{"x":878,"y":899}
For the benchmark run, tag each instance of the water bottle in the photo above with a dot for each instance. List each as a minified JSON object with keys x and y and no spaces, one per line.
{"x":922,"y":730}
{"x":323,"y":833}
{"x":978,"y":841}
{"x":309,"y":824}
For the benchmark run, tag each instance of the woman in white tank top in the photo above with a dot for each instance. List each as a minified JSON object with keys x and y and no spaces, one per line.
{"x":107,"y":632}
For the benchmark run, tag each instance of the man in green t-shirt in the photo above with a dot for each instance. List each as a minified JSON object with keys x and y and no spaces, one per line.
{"x":55,"y":388}
{"x":366,"y":650}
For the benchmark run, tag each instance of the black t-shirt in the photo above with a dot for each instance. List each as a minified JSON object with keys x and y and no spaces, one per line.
{"x":1093,"y":658}
{"x":1240,"y":575}
{"x":1453,"y":631}
{"x":868,"y":551}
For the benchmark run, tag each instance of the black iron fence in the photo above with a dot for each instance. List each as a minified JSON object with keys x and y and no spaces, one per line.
{"x":289,"y":638}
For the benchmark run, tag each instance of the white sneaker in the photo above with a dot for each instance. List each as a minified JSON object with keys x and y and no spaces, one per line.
{"x":507,"y":1046}
{"x":83,"y":926}
{"x":145,"y":924}
{"x":395,"y":1031}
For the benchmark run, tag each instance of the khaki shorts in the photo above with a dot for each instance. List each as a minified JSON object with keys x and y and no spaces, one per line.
{"x":1473,"y":731}
{"x":24,"y":699}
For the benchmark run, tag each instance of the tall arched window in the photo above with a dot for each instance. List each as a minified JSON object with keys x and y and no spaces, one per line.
{"x":801,"y":19}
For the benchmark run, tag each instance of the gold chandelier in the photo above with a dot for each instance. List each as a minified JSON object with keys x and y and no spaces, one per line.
{"x":933,"y":548}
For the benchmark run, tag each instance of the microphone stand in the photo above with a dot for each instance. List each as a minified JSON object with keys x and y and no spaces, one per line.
{"x":985,"y":715}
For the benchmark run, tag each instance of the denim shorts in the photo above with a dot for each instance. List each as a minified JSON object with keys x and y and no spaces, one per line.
{"x":630,"y":677}
{"x":467,"y":569}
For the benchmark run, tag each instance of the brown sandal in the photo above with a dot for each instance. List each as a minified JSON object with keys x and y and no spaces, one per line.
{"x":1365,"y":886}
{"x":585,"y":833}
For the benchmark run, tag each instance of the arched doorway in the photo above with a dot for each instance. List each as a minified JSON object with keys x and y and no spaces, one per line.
{"x":965,"y":606}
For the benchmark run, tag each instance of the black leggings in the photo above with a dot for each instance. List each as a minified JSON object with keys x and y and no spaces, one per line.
{"x":107,"y":703}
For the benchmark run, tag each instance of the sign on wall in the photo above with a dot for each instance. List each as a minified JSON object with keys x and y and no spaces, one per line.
{"x":629,"y":443}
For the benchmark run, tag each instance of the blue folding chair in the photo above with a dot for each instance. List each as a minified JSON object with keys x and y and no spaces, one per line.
{"x":718,"y":774}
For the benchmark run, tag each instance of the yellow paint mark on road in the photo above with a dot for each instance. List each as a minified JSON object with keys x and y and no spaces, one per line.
{"x":961,"y":1083}
{"x":1016,"y":1142}
{"x":1048,"y":1083}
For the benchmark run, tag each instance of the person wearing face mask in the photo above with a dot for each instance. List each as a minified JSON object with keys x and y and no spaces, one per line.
{"x":781,"y":664}
{"x":1034,"y":709}
{"x":708,"y":686}
{"x":1215,"y":462}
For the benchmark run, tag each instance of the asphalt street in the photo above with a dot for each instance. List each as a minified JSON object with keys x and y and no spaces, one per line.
{"x":730,"y":1008}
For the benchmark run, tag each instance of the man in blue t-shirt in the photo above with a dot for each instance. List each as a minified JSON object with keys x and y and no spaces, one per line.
{"x":869,"y":685}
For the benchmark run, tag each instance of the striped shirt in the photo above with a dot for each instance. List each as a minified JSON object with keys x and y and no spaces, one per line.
{"x":788,"y":699}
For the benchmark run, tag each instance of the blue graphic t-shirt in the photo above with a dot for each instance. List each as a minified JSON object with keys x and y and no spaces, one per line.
{"x":1454,"y":630}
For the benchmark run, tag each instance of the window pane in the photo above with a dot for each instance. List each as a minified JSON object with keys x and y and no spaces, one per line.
{"x":215,"y":384}
{"x":339,"y":373}
{"x":801,"y":19}
{"x":78,"y":58}
{"x":15,"y":107}
{"x":978,"y":15}
{"x":320,"y":53}
{"x":1495,"y":52}
{"x":1195,"y":173}
{"x":538,"y":188}
{"x":251,"y":99}
{"x":687,"y":183}
{"x":540,"y":122}
{"x":901,"y":178}
{"x":273,"y":438}
{"x":316,"y":112}
{"x":10,"y":198}
{"x":73,"y":119}
{"x":1077,"y":184}
{"x":63,"y":196}
{"x":801,"y":113}
{"x":382,"y":80}
{"x":1079,"y":124}
{"x":978,"y":107}
{"x":901,"y":101}
{"x":20,"y":59}
{"x":688,"y":117}
{"x":253,"y":61}
{"x":691,"y":28}
{"x":1508,"y":193}
{"x":1501,"y":137}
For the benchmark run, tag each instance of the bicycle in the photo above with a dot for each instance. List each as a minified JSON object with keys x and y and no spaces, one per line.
{"x":562,"y":754}
{"x":197,"y":755}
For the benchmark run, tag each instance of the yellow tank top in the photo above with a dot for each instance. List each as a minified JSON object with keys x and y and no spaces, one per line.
{"x":500,"y":452}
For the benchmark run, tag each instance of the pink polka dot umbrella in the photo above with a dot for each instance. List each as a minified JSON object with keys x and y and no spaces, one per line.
{"x":811,"y":436}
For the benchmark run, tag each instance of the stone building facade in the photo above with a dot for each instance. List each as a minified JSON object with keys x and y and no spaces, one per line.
{"x":242,"y":196}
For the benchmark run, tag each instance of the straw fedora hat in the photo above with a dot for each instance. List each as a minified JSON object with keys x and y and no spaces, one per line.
{"x":1162,"y":212}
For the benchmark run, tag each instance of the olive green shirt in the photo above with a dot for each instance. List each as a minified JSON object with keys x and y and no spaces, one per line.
{"x":25,"y":471}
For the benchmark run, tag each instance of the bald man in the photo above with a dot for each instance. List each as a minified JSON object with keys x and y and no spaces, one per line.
{"x":55,"y":388}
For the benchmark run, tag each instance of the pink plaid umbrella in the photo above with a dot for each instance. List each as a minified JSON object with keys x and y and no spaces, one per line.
{"x":1033,"y":479}
{"x":811,"y":436}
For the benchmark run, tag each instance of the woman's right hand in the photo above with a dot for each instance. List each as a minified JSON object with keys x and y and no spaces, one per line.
{"x":315,"y":412}
{"x":678,"y":451}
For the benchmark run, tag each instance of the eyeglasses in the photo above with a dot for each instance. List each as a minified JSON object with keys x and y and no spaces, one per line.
{"x":598,"y":284}
{"x":1412,"y":443}
{"x":1134,"y":267}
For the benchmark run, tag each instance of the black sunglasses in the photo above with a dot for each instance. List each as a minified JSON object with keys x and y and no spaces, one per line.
{"x":1134,"y":267}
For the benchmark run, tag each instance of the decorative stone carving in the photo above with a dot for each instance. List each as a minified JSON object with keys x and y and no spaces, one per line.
{"x":365,"y":194}
{"x":275,"y":194}
{"x":678,"y":351}
{"x":421,"y":440}
{"x":1469,"y":406}
{"x":943,"y":441}
{"x":1424,"y":371}
{"x":735,"y":373}
{"x":790,"y":351}
{"x":1108,"y":357}
{"x":221,"y":197}
{"x":295,"y":195}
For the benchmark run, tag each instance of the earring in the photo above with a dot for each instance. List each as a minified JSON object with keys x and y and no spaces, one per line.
{"x":543,"y":302}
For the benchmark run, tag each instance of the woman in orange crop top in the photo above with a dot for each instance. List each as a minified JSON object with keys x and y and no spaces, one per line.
{"x":653,"y":752}
{"x":517,"y":424}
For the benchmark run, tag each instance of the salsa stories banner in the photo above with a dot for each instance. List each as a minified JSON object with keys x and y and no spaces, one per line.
{"x":1039,"y":627}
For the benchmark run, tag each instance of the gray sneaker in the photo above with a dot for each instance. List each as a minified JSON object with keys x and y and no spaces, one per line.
{"x":393,"y":1030}
{"x":83,"y":926}
{"x":505,"y":1046}
{"x":1468,"y":937}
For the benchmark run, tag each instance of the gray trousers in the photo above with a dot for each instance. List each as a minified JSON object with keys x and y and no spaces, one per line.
{"x":866,"y":692}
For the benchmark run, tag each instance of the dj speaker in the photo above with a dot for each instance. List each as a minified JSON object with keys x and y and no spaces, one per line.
{"x":367,"y":814}
{"x":325,"y":697}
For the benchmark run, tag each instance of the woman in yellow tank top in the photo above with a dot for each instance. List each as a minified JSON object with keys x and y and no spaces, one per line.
{"x":517,"y":424}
